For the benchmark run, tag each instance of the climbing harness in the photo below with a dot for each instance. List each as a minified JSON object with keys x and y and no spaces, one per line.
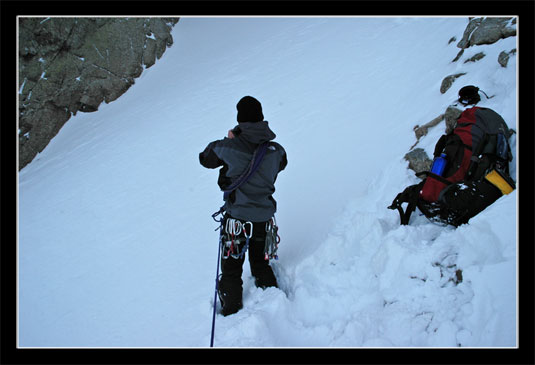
{"x":272,"y":240}
{"x":232,"y":243}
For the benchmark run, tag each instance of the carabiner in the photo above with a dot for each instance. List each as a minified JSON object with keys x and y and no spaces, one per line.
{"x":233,"y":227}
{"x":247,"y":236}
{"x":270,"y":224}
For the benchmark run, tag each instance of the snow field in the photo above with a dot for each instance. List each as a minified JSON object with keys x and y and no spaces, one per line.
{"x":375,"y":283}
{"x":117,"y":247}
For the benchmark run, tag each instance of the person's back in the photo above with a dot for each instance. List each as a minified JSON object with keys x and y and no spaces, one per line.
{"x":252,"y":201}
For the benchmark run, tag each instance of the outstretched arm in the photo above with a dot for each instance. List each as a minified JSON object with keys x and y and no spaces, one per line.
{"x":208,"y":158}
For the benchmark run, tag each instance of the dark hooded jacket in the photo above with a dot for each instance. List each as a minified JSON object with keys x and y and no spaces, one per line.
{"x":253,"y":200}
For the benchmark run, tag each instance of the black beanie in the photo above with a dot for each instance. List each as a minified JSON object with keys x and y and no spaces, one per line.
{"x":249,"y":110}
{"x":469,"y":95}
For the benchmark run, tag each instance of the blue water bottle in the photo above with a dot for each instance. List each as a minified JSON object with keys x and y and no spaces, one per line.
{"x":439,"y":164}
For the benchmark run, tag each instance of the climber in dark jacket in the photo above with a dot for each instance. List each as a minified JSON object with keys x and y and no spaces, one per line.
{"x":251,"y":202}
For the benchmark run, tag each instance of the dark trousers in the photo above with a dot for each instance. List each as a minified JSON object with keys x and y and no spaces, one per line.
{"x":230,"y":284}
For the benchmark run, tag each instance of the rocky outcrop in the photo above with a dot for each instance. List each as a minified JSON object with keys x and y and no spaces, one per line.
{"x":421,"y":131}
{"x":418,"y":160}
{"x":67,"y":65}
{"x":479,"y":31}
{"x":448,"y":81}
{"x":487,"y":30}
{"x":503,"y":57}
{"x":450,"y":116}
{"x":475,"y":57}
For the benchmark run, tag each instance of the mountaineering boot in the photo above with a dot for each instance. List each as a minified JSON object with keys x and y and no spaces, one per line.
{"x":230,"y":302}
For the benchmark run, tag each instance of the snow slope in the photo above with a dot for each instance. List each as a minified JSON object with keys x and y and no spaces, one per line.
{"x":117,"y":247}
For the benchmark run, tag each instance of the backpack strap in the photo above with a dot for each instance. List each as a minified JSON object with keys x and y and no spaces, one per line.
{"x":494,"y":151}
{"x":410,"y":196}
{"x":475,"y":160}
{"x":404,"y":215}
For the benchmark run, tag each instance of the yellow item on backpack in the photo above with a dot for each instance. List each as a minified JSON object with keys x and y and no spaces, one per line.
{"x":504,"y":183}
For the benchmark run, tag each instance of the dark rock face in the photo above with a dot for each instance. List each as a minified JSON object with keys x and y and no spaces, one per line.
{"x":487,"y":31}
{"x":503,"y":57}
{"x":475,"y":57}
{"x":68,"y":65}
{"x":481,"y":31}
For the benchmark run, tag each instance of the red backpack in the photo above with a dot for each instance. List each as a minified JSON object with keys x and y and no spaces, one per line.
{"x":477,"y":142}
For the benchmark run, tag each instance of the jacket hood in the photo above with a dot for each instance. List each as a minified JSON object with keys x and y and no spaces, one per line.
{"x":256,"y":132}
